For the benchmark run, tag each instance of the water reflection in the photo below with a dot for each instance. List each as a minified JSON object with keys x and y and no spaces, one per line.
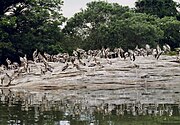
{"x":31,"y":108}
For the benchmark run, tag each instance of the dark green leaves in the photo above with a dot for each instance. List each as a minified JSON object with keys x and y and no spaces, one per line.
{"x":27,"y":25}
{"x":160,"y":8}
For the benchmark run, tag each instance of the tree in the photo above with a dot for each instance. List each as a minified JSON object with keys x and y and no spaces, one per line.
{"x":26,"y":25}
{"x":104,"y":24}
{"x":171,"y":28}
{"x":167,"y":10}
{"x":6,"y":5}
{"x":134,"y":29}
{"x":161,"y":8}
{"x":88,"y":23}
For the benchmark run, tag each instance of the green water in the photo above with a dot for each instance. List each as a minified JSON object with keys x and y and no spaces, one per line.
{"x":29,"y":109}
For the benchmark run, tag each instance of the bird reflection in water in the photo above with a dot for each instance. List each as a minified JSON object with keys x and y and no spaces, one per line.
{"x":41,"y":108}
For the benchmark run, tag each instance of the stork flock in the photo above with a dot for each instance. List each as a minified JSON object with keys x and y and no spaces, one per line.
{"x":77,"y":59}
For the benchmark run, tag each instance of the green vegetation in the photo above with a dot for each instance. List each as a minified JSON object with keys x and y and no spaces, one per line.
{"x":29,"y":24}
{"x":26,"y":25}
{"x":112,"y":25}
{"x":161,"y":8}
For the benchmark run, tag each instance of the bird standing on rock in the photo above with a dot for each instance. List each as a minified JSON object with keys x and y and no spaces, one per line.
{"x":77,"y":66}
{"x":65,"y":67}
{"x":8,"y":63}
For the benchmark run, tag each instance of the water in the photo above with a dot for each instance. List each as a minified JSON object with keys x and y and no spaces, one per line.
{"x":24,"y":107}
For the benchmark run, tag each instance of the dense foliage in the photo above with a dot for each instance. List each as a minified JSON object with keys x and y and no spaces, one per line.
{"x":26,"y":25}
{"x":105,"y":24}
{"x":161,"y":8}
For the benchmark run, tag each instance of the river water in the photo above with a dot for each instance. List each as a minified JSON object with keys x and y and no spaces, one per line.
{"x":131,"y":108}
